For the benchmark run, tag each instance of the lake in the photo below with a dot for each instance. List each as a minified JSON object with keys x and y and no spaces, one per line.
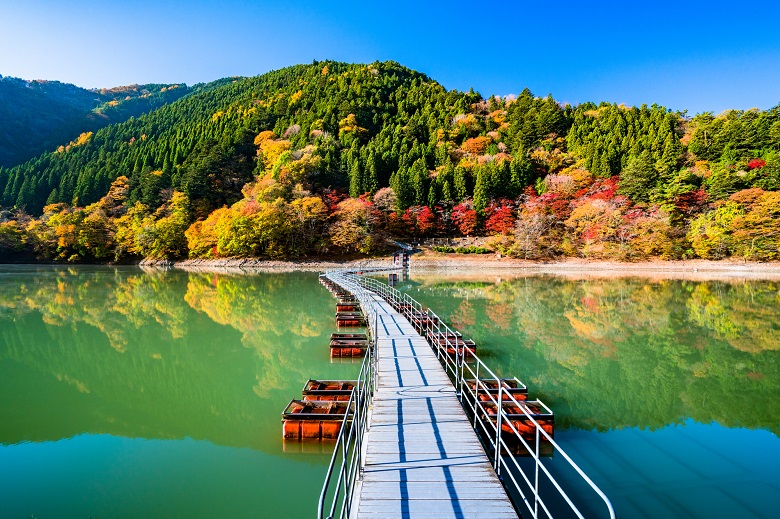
{"x":666,"y":392}
{"x":127,"y":393}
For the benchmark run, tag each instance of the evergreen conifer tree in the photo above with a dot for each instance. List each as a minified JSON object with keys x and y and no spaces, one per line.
{"x":419,"y":180}
{"x":481,"y":190}
{"x":639,"y":177}
{"x":461,"y":183}
{"x":399,"y":181}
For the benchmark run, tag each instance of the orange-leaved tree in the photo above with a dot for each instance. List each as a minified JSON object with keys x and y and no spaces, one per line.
{"x":353,"y":229}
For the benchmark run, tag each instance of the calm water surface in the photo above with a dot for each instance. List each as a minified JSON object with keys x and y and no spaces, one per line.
{"x":667,"y":392}
{"x":127,"y":394}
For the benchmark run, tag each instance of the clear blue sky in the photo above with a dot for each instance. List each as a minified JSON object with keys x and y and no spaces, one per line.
{"x":685,"y":54}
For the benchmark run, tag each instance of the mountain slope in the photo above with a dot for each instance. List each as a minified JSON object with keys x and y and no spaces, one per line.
{"x":224,"y":119}
{"x":37,"y":116}
{"x":263,"y":166}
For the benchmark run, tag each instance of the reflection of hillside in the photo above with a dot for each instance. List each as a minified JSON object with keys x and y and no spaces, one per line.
{"x":139,"y":355}
{"x":273,"y":318}
{"x":745,"y":316}
{"x":106,"y":300}
{"x":628,"y":352}
{"x":160,"y":388}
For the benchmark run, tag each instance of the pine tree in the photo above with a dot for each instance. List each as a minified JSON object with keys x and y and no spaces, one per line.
{"x":481,"y":190}
{"x":25,"y":194}
{"x":446,"y":181}
{"x":604,"y":169}
{"x":521,"y":174}
{"x":501,"y":179}
{"x":672,"y":150}
{"x":639,"y":178}
{"x":434,"y":193}
{"x":461,"y":183}
{"x":442,"y":153}
{"x":371,"y":174}
{"x":355,"y":174}
{"x":399,"y":181}
{"x":419,"y":179}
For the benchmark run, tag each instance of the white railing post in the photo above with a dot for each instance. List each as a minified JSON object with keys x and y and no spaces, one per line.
{"x":536,"y":475}
{"x":498,"y":428}
{"x":476,"y":395}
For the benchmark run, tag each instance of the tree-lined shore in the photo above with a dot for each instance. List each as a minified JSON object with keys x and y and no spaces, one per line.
{"x":332,"y":159}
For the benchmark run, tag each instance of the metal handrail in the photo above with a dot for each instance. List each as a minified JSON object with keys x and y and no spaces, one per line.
{"x":348,"y":452}
{"x":463,"y":365}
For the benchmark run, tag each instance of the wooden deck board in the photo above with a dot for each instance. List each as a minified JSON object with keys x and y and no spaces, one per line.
{"x":423,"y":458}
{"x":426,"y":475}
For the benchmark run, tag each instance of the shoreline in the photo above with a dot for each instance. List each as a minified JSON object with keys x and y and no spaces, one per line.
{"x":472,"y":265}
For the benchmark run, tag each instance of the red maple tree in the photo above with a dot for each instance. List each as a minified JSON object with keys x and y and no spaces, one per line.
{"x":756,"y":164}
{"x":465,"y":218}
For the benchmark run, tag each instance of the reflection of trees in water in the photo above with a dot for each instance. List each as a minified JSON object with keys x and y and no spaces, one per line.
{"x":138,"y":354}
{"x":108,"y":300}
{"x":274,"y":317}
{"x":630,"y":352}
{"x":745,"y":315}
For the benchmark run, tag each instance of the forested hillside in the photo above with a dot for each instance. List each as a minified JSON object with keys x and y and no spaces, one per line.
{"x":39,"y":116}
{"x":335,"y":158}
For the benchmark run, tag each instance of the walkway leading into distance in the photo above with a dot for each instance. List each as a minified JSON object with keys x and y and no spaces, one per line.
{"x":423,"y":458}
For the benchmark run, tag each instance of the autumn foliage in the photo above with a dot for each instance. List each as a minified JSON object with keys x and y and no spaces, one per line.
{"x":756,"y":164}
{"x":464,"y":217}
{"x":476,"y":145}
{"x":499,"y":217}
{"x":332,"y":158}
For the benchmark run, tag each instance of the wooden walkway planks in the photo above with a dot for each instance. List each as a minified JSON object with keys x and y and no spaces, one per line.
{"x":423,"y":459}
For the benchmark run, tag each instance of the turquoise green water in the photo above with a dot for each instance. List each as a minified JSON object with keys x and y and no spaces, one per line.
{"x":126,"y":394}
{"x":667,"y":393}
